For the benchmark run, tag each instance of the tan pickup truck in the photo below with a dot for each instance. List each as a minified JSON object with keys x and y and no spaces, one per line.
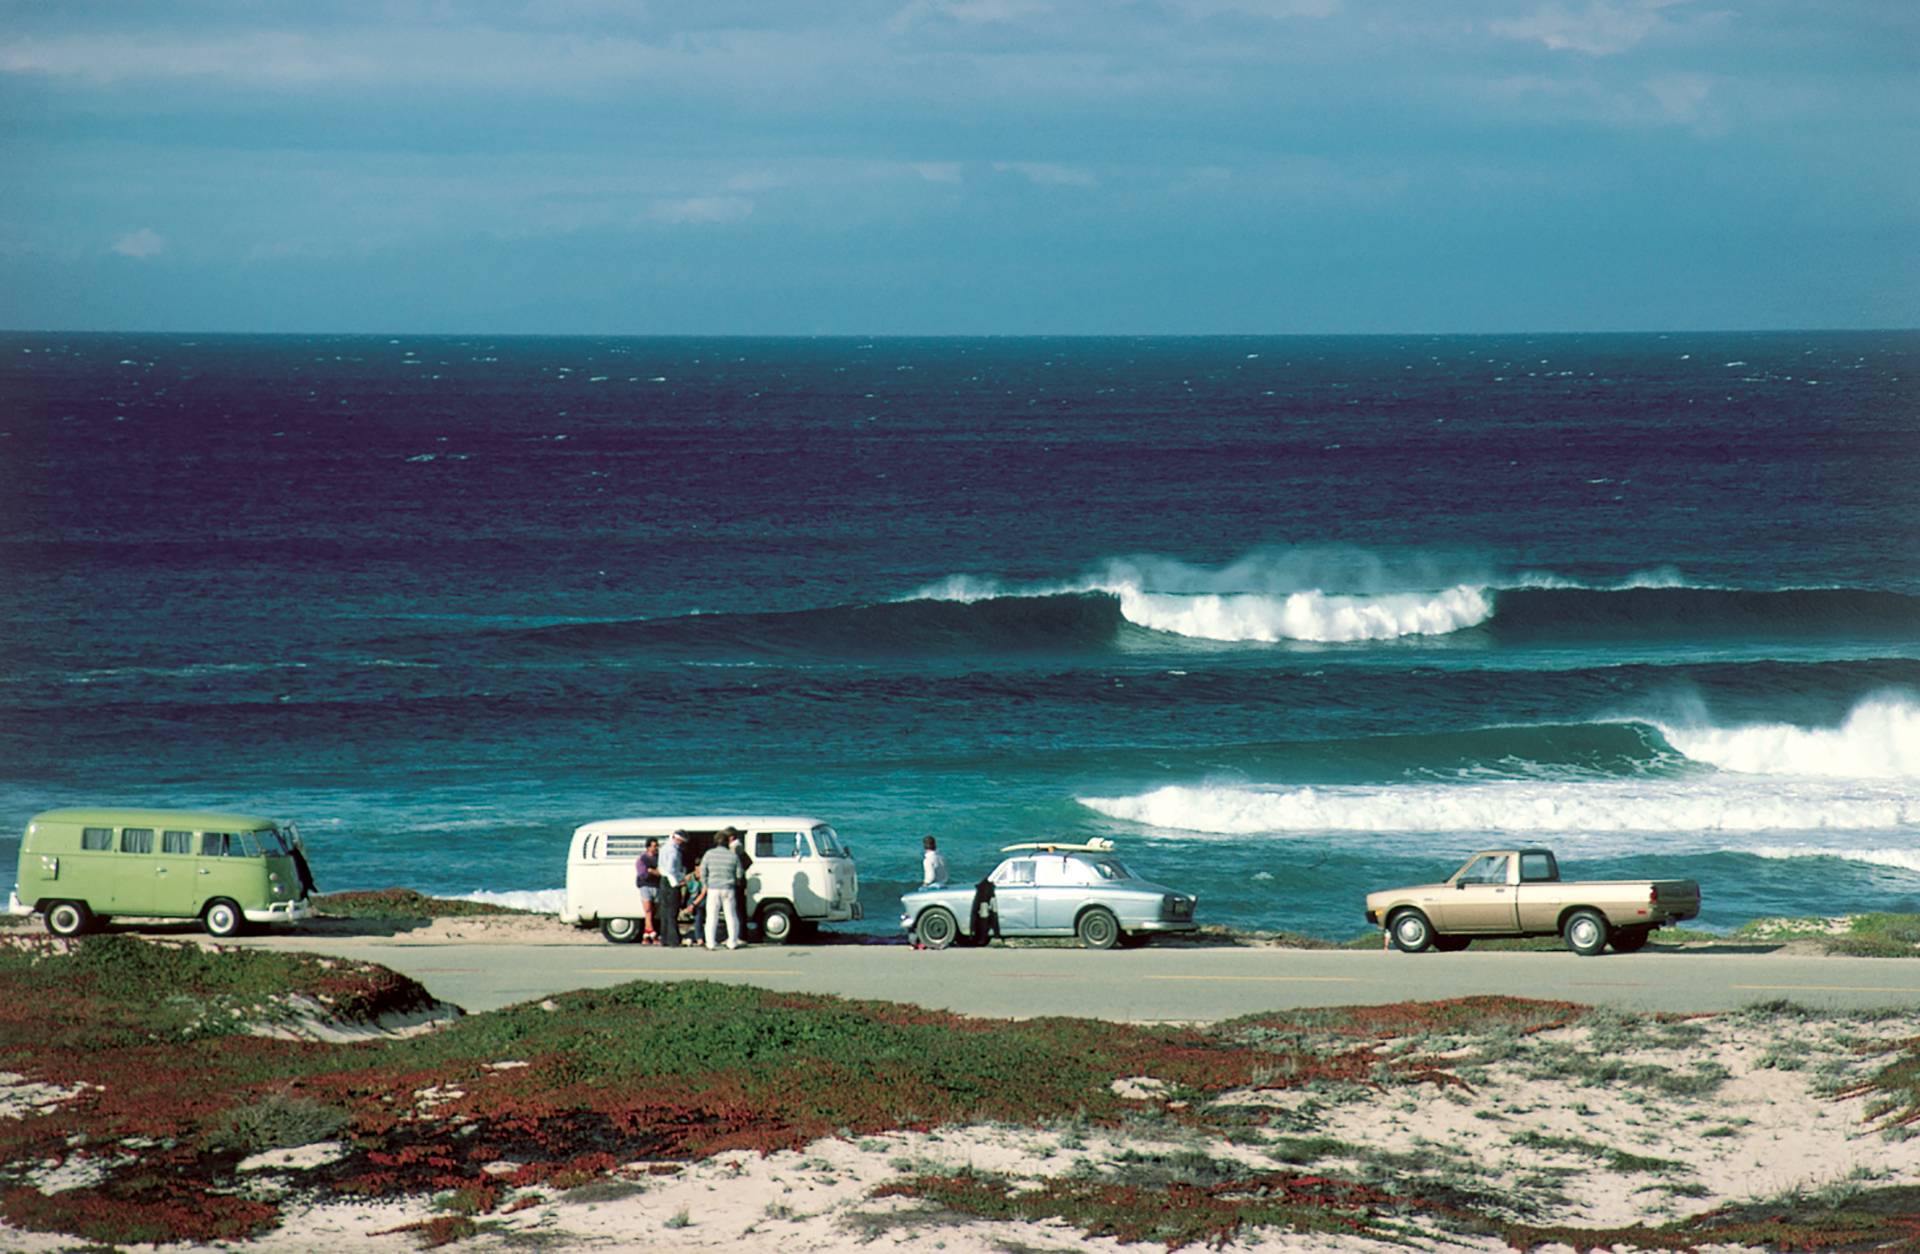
{"x":1519,"y":892}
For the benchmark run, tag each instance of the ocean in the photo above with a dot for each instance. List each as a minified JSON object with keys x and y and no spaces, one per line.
{"x":1288,"y":619}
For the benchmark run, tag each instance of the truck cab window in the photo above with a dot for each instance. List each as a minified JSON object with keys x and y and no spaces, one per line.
{"x":1491,"y":869}
{"x":1537,"y":868}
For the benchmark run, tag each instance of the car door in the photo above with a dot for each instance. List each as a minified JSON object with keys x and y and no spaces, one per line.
{"x":1058,"y":893}
{"x":1481,"y":899}
{"x":1013,"y":895}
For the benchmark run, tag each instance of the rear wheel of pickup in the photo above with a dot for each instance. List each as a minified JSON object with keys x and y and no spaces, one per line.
{"x":620,"y":931}
{"x":936,"y":928}
{"x":1629,"y":939}
{"x":69,"y":918}
{"x":1098,"y":929}
{"x":1585,"y":932}
{"x":1410,"y":931}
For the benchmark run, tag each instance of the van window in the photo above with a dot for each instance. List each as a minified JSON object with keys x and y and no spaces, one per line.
{"x":826,"y":842}
{"x":229,"y":844}
{"x":176,"y":842}
{"x":96,"y":838}
{"x":779,"y":845}
{"x":136,"y":840}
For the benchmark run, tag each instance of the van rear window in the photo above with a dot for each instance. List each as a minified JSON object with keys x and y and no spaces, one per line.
{"x":136,"y":840}
{"x":96,"y":838}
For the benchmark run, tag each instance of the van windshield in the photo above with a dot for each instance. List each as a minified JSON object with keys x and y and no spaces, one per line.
{"x":275,"y":843}
{"x":229,"y":844}
{"x":826,"y":842}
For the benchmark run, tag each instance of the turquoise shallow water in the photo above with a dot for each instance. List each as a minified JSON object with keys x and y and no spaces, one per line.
{"x":1286,"y":618}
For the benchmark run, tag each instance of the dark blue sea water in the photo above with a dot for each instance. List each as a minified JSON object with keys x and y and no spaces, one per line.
{"x":1288,"y":618}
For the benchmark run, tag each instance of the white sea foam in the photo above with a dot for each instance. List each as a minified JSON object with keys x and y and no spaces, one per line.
{"x":1898,"y":859}
{"x":1879,"y":739}
{"x":1657,"y":577}
{"x":1520,"y":806}
{"x":542,"y":901}
{"x":1310,"y":595}
{"x":1311,"y":616}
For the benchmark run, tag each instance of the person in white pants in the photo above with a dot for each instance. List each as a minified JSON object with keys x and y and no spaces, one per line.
{"x":720,"y":871}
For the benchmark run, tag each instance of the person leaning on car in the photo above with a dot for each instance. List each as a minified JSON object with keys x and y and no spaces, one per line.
{"x":933,"y":865}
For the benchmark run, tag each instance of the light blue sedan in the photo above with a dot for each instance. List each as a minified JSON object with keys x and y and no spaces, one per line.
{"x":1078,"y":890}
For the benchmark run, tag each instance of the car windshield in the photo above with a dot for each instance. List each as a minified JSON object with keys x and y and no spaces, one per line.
{"x":826,"y":842}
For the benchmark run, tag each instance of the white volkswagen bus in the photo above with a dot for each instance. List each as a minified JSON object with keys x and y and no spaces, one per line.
{"x":799,"y":873}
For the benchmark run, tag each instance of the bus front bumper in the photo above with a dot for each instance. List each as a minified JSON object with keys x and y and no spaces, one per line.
{"x":281,"y":912}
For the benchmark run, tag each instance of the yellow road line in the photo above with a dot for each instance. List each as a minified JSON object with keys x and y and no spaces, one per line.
{"x":1263,"y":979}
{"x":721,"y":970}
{"x":1827,"y":988}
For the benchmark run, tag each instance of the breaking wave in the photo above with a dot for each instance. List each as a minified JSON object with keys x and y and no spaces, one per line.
{"x":1879,"y":739}
{"x":1304,"y":598}
{"x":1896,"y":859}
{"x":1520,"y":807}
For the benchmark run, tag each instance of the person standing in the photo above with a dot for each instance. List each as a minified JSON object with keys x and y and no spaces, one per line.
{"x":720,"y":872}
{"x":673,"y":873}
{"x":933,"y":865}
{"x":646,"y":876}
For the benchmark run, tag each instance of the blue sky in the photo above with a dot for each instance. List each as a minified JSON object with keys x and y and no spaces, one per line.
{"x":959,"y":166}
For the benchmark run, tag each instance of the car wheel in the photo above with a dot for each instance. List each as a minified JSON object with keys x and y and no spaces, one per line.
{"x":1629,"y":939}
{"x":1451,"y":944}
{"x":68,"y":918}
{"x":936,"y":928}
{"x":1585,"y":932}
{"x":223,"y":918}
{"x":777,"y":923}
{"x":1410,"y":931}
{"x":620,"y":931}
{"x":1098,"y":929}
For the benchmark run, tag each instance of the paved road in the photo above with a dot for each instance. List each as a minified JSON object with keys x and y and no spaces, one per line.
{"x":1183,"y":984}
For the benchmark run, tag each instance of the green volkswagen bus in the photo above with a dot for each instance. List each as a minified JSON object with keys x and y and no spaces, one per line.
{"x":79,"y":868}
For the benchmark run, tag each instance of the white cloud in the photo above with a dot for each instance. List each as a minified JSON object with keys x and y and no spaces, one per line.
{"x":701,"y":209}
{"x":1045,"y":174}
{"x":1602,"y":29}
{"x":1681,"y":96}
{"x":141,"y":244}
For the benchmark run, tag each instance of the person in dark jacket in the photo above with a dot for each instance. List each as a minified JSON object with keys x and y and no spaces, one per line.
{"x":986,"y":913}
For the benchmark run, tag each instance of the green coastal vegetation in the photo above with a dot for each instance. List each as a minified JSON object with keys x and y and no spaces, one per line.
{"x":492,"y":1112}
